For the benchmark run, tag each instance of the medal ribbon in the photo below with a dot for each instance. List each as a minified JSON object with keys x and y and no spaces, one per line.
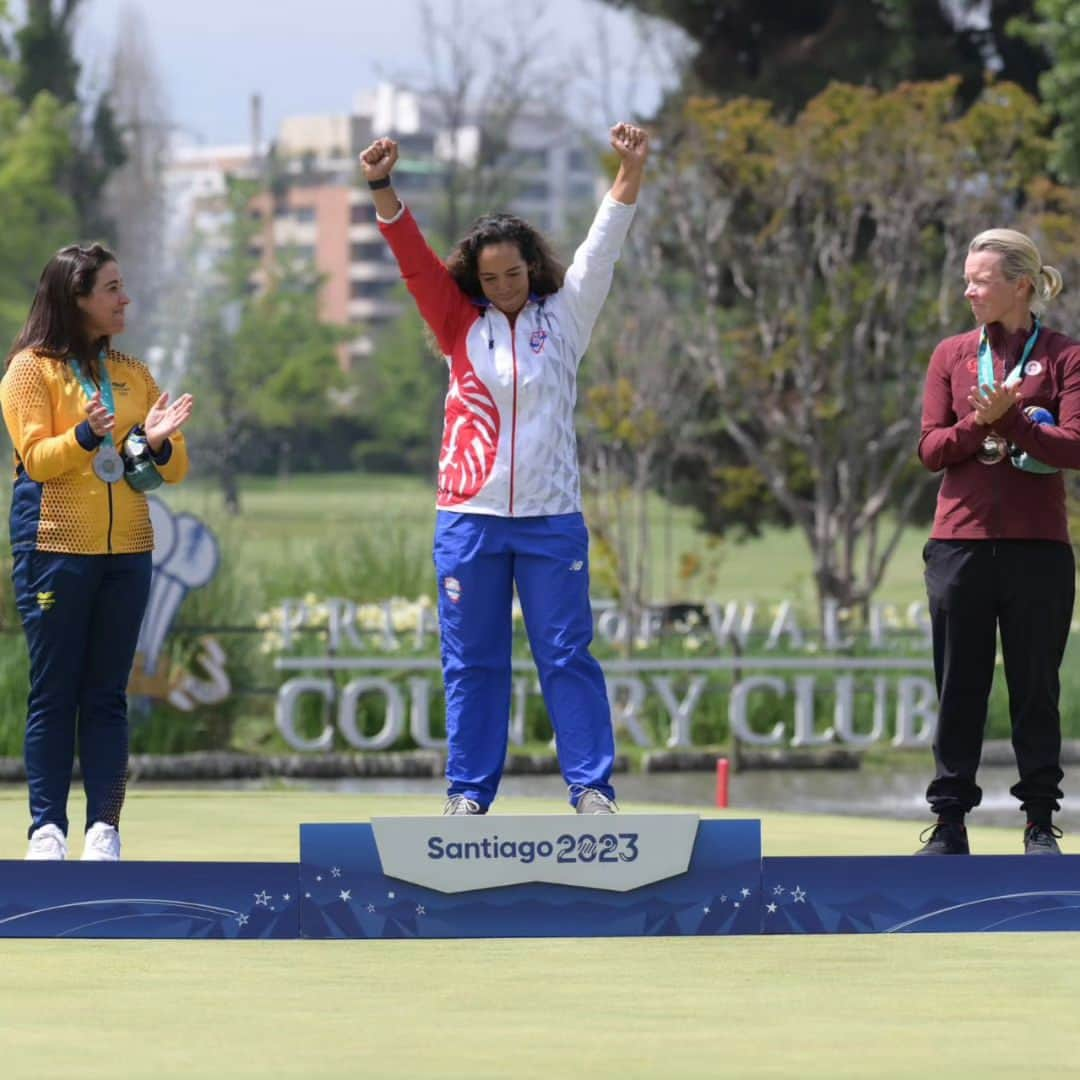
{"x":986,"y":359}
{"x":107,"y":391}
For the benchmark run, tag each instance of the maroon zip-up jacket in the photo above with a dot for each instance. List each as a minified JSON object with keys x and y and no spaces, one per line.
{"x":1001,"y":502}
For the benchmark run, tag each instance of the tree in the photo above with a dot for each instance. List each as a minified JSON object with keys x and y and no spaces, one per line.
{"x":402,"y":403}
{"x":823,"y":260}
{"x":638,"y":387}
{"x":264,"y":361}
{"x":484,"y":101}
{"x":46,"y":63}
{"x":1056,"y":30}
{"x":37,"y":215}
{"x":134,"y":194}
{"x":788,"y":52}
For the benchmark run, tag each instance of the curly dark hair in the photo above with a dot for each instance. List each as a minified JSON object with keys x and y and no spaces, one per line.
{"x":55,"y":324}
{"x":546,"y":273}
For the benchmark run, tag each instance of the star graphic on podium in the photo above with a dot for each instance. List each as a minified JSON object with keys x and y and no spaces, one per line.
{"x":262,"y":899}
{"x":241,"y":920}
{"x":799,"y":895}
{"x":335,"y":871}
{"x":770,"y":908}
{"x":346,"y":895}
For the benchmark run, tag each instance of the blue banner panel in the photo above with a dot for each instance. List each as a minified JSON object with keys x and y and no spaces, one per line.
{"x":537,"y":876}
{"x":927,"y":894}
{"x":149,"y":900}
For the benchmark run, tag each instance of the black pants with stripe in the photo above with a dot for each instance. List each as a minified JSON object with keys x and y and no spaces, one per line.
{"x":1025,"y":589}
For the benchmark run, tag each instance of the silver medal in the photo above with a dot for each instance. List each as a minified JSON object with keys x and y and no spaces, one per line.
{"x":108,"y":465}
{"x":992,"y":450}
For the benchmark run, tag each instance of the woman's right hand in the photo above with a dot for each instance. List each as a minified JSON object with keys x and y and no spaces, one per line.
{"x":991,"y":403}
{"x":100,"y":419}
{"x":379,"y":158}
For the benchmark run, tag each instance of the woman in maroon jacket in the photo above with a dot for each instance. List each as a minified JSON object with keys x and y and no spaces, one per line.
{"x":1001,"y":417}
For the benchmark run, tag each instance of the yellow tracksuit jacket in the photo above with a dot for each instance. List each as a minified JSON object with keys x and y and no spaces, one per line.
{"x":58,"y":503}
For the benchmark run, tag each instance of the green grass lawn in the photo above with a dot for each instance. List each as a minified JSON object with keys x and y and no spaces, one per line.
{"x":823,"y":1007}
{"x":282,"y":519}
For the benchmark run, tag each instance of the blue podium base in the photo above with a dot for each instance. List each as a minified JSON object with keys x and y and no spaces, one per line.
{"x":925,"y":894}
{"x":149,"y":900}
{"x":538,"y":876}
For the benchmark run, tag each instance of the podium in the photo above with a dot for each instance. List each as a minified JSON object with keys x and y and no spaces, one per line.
{"x":621,"y":875}
{"x":531,"y":876}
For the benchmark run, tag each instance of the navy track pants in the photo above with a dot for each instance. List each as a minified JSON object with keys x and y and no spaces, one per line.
{"x":81,"y":615}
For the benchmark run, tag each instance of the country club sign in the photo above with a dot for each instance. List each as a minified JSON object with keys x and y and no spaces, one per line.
{"x":368,"y":642}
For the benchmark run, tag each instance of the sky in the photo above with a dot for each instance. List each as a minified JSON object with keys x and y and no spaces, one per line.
{"x":313,"y":56}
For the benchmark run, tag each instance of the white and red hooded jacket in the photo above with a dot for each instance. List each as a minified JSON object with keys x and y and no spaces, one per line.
{"x":509,"y":447}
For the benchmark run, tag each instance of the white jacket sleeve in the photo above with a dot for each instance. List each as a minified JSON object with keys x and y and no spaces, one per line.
{"x":588,"y":278}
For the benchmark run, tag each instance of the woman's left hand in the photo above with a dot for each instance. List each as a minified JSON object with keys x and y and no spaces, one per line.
{"x":165,"y":418}
{"x":991,"y":403}
{"x":631,"y":143}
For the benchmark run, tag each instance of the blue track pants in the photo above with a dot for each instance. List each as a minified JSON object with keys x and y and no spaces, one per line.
{"x":81,"y":616}
{"x":478,"y":559}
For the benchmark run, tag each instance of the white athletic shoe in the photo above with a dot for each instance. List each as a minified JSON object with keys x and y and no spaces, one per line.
{"x":102,"y":843}
{"x":461,"y":804}
{"x":47,"y":844}
{"x":595,"y":802}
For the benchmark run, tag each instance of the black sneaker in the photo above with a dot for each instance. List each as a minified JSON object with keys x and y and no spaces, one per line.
{"x":944,"y":838}
{"x":1041,"y":839}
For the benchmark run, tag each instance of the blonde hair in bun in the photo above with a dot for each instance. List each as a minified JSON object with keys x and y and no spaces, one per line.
{"x":1020,"y":258}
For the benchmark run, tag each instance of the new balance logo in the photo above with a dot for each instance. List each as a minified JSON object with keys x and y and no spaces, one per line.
{"x":577,"y":564}
{"x":45,"y":600}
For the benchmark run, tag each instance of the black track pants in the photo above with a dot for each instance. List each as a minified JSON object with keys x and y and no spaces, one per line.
{"x":1025,"y":588}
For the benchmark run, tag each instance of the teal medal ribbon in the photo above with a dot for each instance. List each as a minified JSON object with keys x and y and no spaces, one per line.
{"x":994,"y":448}
{"x":108,"y":465}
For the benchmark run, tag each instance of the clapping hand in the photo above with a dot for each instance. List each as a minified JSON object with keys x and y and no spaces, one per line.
{"x":165,"y":418}
{"x":100,"y":419}
{"x":992,"y":402}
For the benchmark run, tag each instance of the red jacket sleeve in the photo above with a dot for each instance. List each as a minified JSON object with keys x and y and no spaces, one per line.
{"x":443,"y":306}
{"x":945,"y":440}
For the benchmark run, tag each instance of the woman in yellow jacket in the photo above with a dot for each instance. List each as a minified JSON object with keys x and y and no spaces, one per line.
{"x":91,"y":433}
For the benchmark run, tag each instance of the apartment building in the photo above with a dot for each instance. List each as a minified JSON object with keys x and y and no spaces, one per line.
{"x":318,"y":210}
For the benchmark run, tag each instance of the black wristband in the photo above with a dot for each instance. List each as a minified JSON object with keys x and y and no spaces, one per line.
{"x":377,"y":185}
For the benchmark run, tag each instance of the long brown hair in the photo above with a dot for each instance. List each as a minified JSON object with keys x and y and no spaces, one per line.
{"x":55,"y":325}
{"x":546,"y":273}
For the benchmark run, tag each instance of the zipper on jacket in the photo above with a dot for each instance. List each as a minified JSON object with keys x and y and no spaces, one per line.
{"x":513,"y":416}
{"x":108,"y":535}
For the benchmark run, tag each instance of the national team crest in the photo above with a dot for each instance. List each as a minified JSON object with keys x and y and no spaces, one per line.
{"x":453,"y":588}
{"x":537,"y":339}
